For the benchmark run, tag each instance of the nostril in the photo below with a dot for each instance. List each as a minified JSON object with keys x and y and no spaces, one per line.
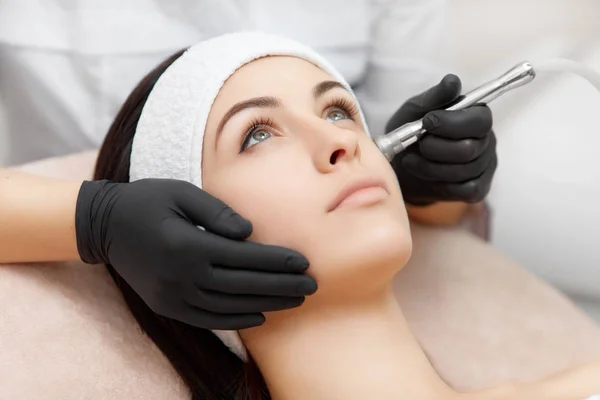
{"x":335,"y":156}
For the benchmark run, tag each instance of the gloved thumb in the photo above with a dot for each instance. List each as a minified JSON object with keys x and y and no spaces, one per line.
{"x":435,"y":98}
{"x":212,"y":214}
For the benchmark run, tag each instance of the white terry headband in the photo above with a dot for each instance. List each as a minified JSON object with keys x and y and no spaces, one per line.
{"x":170,"y":133}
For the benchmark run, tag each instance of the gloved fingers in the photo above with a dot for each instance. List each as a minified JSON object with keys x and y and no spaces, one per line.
{"x":441,"y":150}
{"x":472,"y":191}
{"x":239,"y":304}
{"x":473,"y":122}
{"x":243,"y":282}
{"x":426,"y":170}
{"x":207,"y":320}
{"x":207,"y":211}
{"x":436,"y":97}
{"x":256,"y":256}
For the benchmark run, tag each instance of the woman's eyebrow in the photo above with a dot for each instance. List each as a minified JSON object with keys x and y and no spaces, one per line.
{"x":256,"y":102}
{"x":325,"y":86}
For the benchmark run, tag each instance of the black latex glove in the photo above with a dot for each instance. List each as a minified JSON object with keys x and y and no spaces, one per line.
{"x":456,"y":158}
{"x":147,"y":230}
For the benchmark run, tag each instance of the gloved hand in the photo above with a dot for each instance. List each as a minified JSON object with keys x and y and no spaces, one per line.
{"x":456,"y":159}
{"x":213,"y":279}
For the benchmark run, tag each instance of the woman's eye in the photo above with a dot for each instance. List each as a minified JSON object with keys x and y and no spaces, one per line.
{"x":336,"y":115}
{"x":255,"y":137}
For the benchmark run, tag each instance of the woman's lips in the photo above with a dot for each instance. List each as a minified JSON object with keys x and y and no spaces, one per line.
{"x":360,"y":192}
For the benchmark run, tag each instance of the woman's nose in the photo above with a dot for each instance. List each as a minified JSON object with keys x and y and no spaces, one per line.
{"x":334,"y":146}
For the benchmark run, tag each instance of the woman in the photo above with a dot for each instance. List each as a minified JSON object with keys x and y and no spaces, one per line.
{"x":267,"y":114}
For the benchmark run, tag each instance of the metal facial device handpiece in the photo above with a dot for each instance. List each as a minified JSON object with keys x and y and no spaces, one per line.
{"x":399,"y":139}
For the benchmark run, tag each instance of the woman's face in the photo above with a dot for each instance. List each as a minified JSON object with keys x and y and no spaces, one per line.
{"x":285,"y":148}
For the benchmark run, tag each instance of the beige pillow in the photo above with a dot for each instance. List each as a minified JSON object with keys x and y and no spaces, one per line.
{"x":483,"y":319}
{"x":65,"y":332}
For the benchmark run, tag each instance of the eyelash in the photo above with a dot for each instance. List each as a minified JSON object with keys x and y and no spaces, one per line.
{"x":344,"y":105}
{"x":261,"y":122}
{"x":254,"y":125}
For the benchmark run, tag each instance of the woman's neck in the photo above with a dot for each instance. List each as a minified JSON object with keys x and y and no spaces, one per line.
{"x":360,"y":349}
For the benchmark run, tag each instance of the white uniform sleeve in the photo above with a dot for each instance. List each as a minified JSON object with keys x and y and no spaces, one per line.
{"x":408,"y":43}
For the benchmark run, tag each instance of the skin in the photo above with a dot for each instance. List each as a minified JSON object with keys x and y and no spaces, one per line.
{"x":354,"y":321}
{"x":28,"y":202}
{"x":290,"y":177}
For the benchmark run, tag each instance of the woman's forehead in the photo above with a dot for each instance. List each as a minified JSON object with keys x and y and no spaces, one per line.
{"x":277,"y":76}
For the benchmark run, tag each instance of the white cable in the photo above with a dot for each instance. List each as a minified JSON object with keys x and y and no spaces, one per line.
{"x":565,"y":65}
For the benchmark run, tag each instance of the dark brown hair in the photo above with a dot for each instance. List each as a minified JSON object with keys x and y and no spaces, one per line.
{"x":209,"y":369}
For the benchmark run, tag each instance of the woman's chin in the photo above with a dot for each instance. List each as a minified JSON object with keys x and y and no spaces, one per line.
{"x":361,"y":260}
